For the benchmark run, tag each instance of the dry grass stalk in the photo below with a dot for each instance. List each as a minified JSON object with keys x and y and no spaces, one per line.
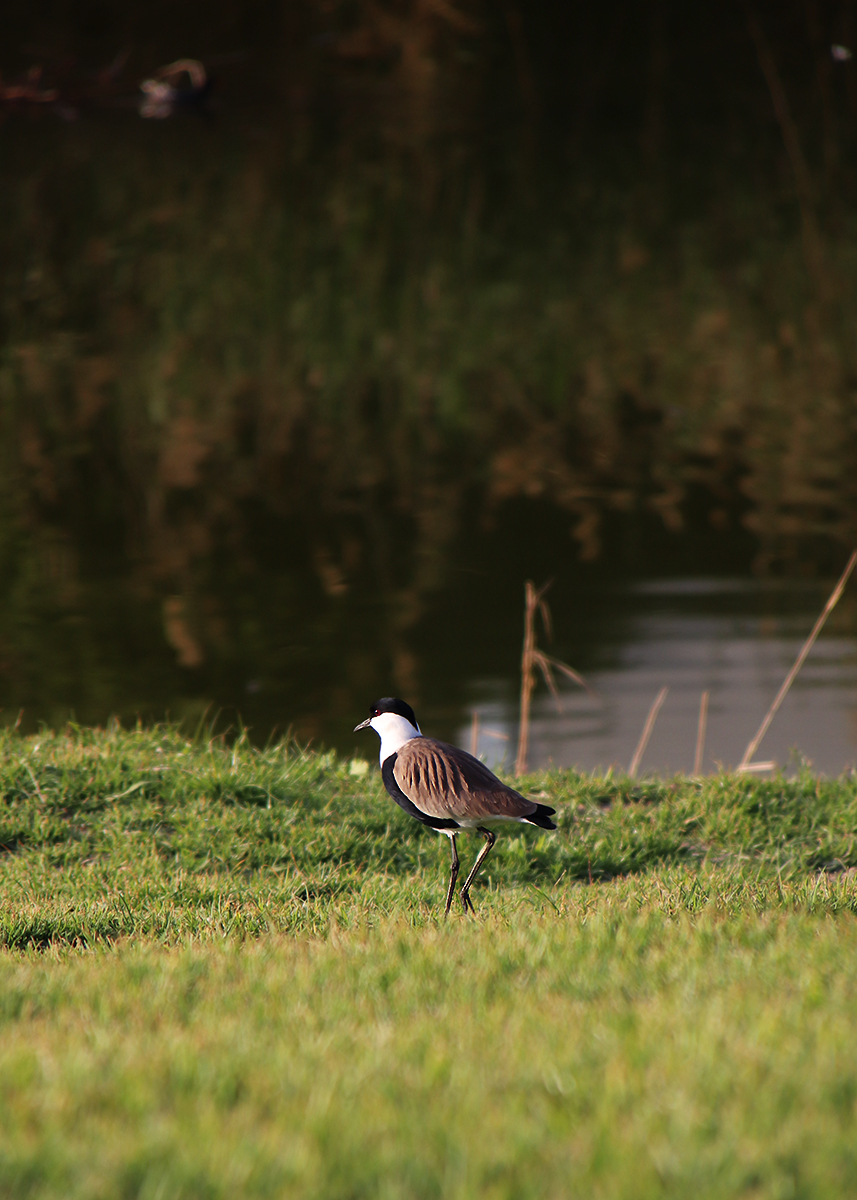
{"x":533,"y":657}
{"x":532,"y":599}
{"x":647,"y":731}
{"x":700,"y":734}
{"x":474,"y":733}
{"x":756,"y":768}
{"x":746,"y":762}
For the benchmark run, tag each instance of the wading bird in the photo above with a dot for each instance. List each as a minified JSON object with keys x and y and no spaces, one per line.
{"x":445,"y":788}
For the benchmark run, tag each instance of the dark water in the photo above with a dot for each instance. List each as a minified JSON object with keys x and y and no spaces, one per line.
{"x":736,"y":639}
{"x":298,"y":389}
{"x":277,"y":652}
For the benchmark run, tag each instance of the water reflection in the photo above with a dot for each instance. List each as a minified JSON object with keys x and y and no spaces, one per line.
{"x":736,"y":639}
{"x":274,"y":649}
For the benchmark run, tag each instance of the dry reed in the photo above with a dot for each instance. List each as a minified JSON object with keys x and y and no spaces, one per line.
{"x":474,"y":733}
{"x":533,"y":657}
{"x":746,"y":763}
{"x":647,"y":731}
{"x":700,"y":734}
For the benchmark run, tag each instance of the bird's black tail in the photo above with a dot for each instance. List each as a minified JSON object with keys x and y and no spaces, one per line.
{"x":542,"y":817}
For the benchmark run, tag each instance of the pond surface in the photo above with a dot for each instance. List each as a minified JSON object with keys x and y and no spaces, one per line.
{"x":734,"y":638}
{"x":280,"y":433}
{"x":276,"y":653}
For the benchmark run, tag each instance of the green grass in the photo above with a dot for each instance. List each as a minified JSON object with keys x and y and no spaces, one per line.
{"x":225,"y":974}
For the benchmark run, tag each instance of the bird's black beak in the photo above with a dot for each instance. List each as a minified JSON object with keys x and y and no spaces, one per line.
{"x":363,"y":724}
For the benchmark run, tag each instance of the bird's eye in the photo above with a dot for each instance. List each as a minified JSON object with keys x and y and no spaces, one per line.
{"x":376,"y":712}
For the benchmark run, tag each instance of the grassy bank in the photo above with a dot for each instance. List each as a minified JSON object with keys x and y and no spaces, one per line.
{"x":225,"y":975}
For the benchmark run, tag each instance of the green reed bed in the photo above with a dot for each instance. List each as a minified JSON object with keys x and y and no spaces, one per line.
{"x":219,"y":367}
{"x":207,"y":319}
{"x":226,"y":975}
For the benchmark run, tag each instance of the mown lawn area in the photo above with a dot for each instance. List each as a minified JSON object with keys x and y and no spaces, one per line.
{"x":225,"y":973}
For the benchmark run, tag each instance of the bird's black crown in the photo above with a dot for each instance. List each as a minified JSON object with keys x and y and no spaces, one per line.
{"x":389,"y":704}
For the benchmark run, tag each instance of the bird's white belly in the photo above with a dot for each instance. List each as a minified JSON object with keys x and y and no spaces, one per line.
{"x":475,"y":822}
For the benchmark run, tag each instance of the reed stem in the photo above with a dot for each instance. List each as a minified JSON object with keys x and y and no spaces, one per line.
{"x":647,"y":731}
{"x":532,"y":657}
{"x":700,"y":734}
{"x":531,"y":601}
{"x":798,"y":663}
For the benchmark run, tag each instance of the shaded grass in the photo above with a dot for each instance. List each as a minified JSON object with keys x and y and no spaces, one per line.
{"x":226,"y":975}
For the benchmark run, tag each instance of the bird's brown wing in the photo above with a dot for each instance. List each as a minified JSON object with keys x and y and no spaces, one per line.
{"x":444,"y":781}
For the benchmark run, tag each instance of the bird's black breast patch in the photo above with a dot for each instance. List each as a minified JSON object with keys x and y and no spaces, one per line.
{"x":387,"y":768}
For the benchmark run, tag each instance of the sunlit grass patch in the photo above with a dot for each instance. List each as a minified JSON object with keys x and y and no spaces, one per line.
{"x":614,"y":1047}
{"x":226,"y":973}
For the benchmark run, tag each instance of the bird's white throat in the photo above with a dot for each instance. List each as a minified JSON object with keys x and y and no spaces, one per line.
{"x":393,"y":731}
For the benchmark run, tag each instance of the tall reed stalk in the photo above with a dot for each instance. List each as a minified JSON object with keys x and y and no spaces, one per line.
{"x":746,"y":763}
{"x":700,"y":734}
{"x":647,"y":732}
{"x":531,"y":658}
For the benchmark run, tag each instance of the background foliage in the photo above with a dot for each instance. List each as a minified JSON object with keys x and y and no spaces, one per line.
{"x":415,"y":265}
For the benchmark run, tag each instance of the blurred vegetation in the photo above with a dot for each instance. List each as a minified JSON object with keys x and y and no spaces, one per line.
{"x":419,"y":261}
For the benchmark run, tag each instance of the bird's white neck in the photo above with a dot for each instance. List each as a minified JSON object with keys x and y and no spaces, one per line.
{"x":393,"y":731}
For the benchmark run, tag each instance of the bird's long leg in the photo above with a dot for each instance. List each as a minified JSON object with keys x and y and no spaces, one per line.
{"x":490,"y":839}
{"x":451,"y":889}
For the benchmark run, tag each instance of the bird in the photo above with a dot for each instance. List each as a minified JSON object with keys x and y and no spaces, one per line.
{"x":445,"y":788}
{"x":181,"y":84}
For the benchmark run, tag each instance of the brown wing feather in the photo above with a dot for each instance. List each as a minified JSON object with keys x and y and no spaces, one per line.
{"x":445,"y":781}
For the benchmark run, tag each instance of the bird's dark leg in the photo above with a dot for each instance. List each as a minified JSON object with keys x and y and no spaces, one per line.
{"x":450,"y":892}
{"x":490,"y":839}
